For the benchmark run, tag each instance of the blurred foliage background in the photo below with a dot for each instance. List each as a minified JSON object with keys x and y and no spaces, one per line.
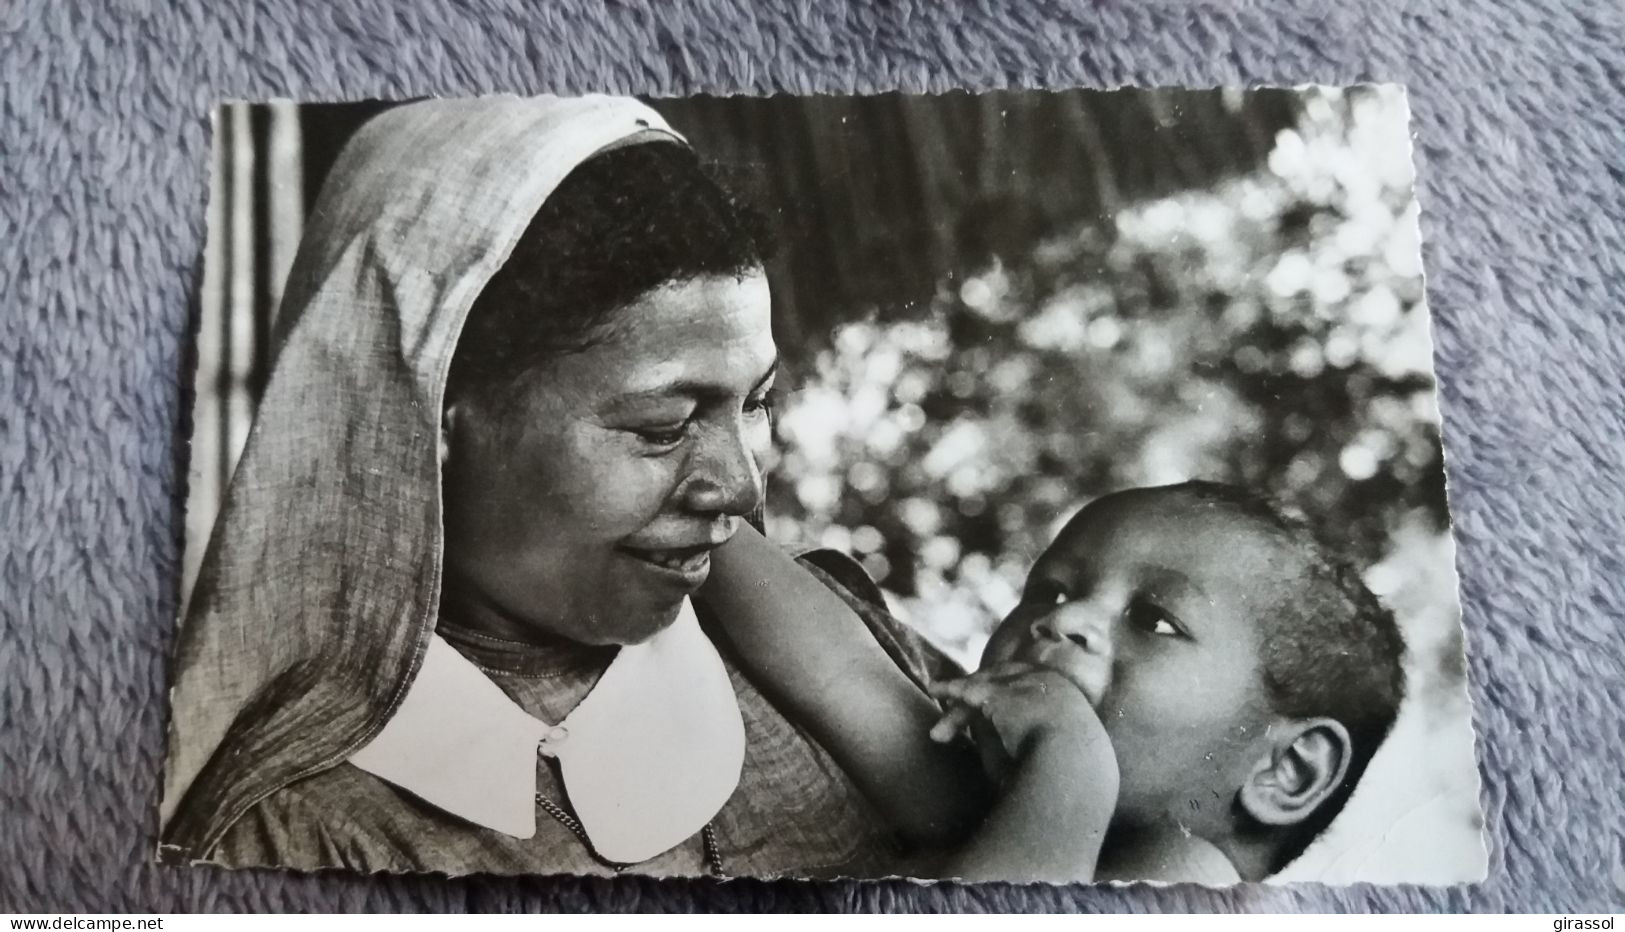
{"x":1268,"y":329}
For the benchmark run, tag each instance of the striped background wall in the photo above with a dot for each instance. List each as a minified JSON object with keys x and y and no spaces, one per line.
{"x":256,"y":214}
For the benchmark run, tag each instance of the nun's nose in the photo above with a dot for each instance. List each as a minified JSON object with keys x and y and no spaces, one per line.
{"x":726,"y":478}
{"x":1083,"y":623}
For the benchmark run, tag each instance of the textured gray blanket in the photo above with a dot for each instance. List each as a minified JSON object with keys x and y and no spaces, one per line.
{"x":1520,"y":118}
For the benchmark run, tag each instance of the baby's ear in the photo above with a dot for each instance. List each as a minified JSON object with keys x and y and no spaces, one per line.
{"x":1303,"y":766}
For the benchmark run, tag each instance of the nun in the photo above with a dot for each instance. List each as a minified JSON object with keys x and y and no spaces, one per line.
{"x":445,"y":620}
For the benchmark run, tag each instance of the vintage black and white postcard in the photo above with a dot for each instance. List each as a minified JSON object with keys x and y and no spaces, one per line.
{"x":1028,"y":486}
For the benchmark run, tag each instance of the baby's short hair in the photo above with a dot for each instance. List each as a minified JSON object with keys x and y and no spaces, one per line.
{"x":1330,"y":649}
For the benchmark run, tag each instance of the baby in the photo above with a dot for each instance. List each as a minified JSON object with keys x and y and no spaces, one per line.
{"x":1188,"y":691}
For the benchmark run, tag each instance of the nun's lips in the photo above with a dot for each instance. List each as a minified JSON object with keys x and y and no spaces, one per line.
{"x":681,"y":557}
{"x":686,"y":566}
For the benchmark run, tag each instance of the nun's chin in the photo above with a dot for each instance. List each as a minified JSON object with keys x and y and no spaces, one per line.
{"x":640,"y":622}
{"x":656,"y":624}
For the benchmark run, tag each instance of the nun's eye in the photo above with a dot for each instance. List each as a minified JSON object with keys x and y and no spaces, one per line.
{"x":663,"y":436}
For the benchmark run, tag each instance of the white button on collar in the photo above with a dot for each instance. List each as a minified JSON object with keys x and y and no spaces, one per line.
{"x":548,"y":746}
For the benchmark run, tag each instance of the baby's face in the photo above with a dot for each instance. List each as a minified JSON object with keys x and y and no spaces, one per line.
{"x":1148,"y":600}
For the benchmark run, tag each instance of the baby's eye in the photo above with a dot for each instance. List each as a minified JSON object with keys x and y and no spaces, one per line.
{"x":1152,"y":619}
{"x":1042,"y":594}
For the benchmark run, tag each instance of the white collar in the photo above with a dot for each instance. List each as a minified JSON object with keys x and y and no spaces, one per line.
{"x":650,"y":755}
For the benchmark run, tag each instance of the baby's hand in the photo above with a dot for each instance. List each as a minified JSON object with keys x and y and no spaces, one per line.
{"x":1011,"y":707}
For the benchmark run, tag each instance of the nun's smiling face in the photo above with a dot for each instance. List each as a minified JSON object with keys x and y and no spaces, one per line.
{"x":587,"y":510}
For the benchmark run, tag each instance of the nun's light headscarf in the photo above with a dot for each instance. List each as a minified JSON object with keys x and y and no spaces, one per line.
{"x":317,"y":595}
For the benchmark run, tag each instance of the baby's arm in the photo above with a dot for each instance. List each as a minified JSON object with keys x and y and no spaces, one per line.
{"x":817,"y":660}
{"x":1060,"y":781}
